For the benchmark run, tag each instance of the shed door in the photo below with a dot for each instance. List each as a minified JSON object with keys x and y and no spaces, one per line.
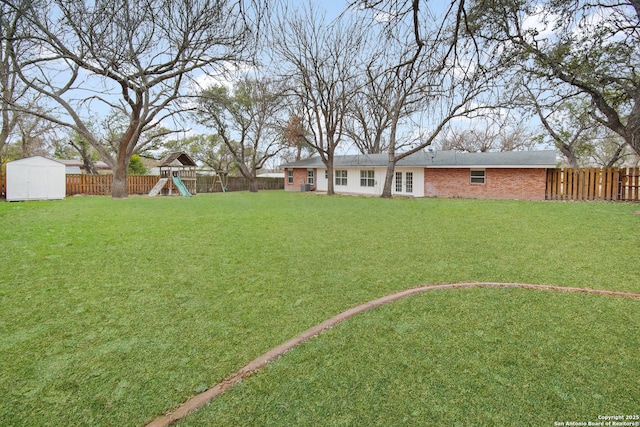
{"x":17,"y":182}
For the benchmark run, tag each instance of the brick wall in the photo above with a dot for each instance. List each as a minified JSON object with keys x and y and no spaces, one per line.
{"x":525,"y":184}
{"x":299,"y":178}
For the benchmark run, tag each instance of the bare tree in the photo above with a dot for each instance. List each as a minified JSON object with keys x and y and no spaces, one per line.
{"x":489,"y":137}
{"x":439,"y":74}
{"x":320,"y":62}
{"x":133,"y":57}
{"x":368,"y":120}
{"x":414,"y":22}
{"x":35,"y":134}
{"x":247,"y":121}
{"x":388,"y":95}
{"x":453,"y":102}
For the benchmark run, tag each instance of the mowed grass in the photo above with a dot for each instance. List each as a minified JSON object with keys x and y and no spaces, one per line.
{"x":499,"y":357}
{"x":115,"y":311}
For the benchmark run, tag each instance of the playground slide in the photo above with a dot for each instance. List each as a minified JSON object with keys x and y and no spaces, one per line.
{"x":181,"y":187}
{"x":159,"y":186}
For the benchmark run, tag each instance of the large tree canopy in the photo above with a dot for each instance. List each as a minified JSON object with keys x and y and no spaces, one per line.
{"x":132,"y":57}
{"x":578,"y":47}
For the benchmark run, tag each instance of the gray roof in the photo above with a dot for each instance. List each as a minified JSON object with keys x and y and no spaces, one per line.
{"x":441,"y":159}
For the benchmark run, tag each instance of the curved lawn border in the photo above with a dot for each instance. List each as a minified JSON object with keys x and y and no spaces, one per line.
{"x":203,"y":398}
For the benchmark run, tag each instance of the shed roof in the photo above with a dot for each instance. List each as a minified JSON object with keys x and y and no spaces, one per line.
{"x":180,"y":156}
{"x":37,"y":161}
{"x":441,"y":159}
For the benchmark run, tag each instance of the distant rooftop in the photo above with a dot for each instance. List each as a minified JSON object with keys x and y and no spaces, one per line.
{"x":78,"y":163}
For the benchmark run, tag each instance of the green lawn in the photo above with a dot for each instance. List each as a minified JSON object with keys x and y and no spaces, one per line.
{"x":115,"y":311}
{"x":500,"y":357}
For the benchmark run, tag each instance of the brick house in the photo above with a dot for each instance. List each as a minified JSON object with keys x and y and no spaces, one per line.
{"x":494,"y":175}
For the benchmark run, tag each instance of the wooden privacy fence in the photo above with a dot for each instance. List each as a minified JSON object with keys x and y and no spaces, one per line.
{"x":211,"y":184}
{"x":99,"y":185}
{"x":613,"y":184}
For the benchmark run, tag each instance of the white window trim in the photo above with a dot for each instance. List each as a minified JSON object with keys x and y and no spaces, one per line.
{"x":483,"y":177}
{"x":369,"y":179}
{"x":408,"y":186}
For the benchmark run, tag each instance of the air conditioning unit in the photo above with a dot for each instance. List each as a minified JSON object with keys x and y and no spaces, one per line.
{"x":305,"y":187}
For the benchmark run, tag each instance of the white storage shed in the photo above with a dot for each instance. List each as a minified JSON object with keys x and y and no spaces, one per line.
{"x":36,"y":178}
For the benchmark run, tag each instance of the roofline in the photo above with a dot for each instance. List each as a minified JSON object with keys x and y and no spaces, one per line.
{"x":528,"y":166}
{"x":480,"y":166}
{"x":37,"y":155}
{"x":451,"y":160}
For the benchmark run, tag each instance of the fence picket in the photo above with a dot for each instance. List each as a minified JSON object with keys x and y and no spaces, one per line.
{"x":98,"y":185}
{"x":630,"y":184}
{"x":611,"y":184}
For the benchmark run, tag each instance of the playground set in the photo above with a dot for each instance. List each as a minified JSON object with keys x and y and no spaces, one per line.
{"x":177,"y":176}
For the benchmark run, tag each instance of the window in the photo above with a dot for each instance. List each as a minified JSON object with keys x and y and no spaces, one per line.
{"x":399,"y":182}
{"x":477,"y":176}
{"x":367,"y":179}
{"x":408,"y":182}
{"x":290,"y":176}
{"x":341,"y":177}
{"x":310,"y":176}
{"x":326,"y":174}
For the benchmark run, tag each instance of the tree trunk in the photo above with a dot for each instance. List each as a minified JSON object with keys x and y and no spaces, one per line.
{"x":633,"y":128}
{"x":253,"y":184}
{"x":389,"y":178}
{"x":250,"y":175}
{"x":569,"y":154}
{"x":129,"y":140}
{"x":391,"y":165}
{"x":330,"y":174}
{"x":119,"y":185}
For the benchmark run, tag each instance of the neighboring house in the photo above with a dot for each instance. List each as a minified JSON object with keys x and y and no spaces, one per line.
{"x":152,"y":165}
{"x":493,"y":175}
{"x":271,"y":175}
{"x":76,"y":167}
